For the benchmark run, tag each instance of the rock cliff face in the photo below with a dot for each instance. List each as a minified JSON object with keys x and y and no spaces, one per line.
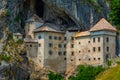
{"x":80,"y":14}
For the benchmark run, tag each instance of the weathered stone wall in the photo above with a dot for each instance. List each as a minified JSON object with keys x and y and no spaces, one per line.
{"x":55,"y":59}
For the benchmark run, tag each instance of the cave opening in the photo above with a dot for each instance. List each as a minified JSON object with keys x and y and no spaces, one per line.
{"x":39,"y":8}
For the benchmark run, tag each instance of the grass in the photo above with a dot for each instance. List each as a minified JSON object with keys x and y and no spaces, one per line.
{"x":110,"y":74}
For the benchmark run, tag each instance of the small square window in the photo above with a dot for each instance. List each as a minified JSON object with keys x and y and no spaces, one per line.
{"x":72,"y":53}
{"x":71,"y":59}
{"x":59,"y":45}
{"x":50,"y":37}
{"x":79,"y":59}
{"x":39,"y":45}
{"x":72,"y":38}
{"x":30,"y":45}
{"x":50,"y":44}
{"x":50,"y":52}
{"x":88,"y":41}
{"x":94,"y":58}
{"x":65,"y":58}
{"x":89,"y":59}
{"x":64,"y":53}
{"x":65,"y":38}
{"x":64,"y":45}
{"x":79,"y":43}
{"x":39,"y":37}
{"x":55,"y":37}
{"x":99,"y":49}
{"x":88,"y":50}
{"x":59,"y":53}
{"x":94,"y":49}
{"x":98,"y":39}
{"x":72,"y":45}
{"x":59,"y":38}
{"x":98,"y":58}
{"x":107,"y":49}
{"x":107,"y":39}
{"x":79,"y":51}
{"x":93,"y":40}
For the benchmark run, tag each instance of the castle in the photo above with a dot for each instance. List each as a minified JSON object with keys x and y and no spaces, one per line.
{"x":50,"y":47}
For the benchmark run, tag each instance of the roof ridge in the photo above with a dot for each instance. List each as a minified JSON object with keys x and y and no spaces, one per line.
{"x":103,"y":24}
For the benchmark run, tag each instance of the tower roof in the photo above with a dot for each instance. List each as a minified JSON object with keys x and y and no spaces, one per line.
{"x":84,"y":33}
{"x":34,"y":18}
{"x":48,"y":27}
{"x":103,"y":25}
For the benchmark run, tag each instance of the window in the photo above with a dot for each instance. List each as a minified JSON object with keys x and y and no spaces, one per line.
{"x":27,"y":45}
{"x":107,"y":39}
{"x":50,"y":37}
{"x":50,"y":44}
{"x":99,"y":49}
{"x":79,"y":51}
{"x":72,"y":53}
{"x":79,"y":43}
{"x":30,"y":45}
{"x":55,"y":37}
{"x":50,"y":52}
{"x":39,"y":37}
{"x":98,"y":58}
{"x":59,"y":38}
{"x":64,"y":53}
{"x":39,"y":45}
{"x":65,"y":38}
{"x":94,"y":49}
{"x":88,"y":41}
{"x":71,"y":59}
{"x":72,"y":38}
{"x":89,"y":59}
{"x":98,"y":39}
{"x":59,"y":53}
{"x":94,"y":58}
{"x":64,"y":58}
{"x":72,"y":45}
{"x":88,"y":50}
{"x":93,"y":40}
{"x":107,"y":49}
{"x":64,"y":45}
{"x":79,"y":59}
{"x":59,"y":45}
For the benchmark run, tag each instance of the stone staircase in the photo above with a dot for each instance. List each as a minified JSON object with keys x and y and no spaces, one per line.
{"x":71,"y":72}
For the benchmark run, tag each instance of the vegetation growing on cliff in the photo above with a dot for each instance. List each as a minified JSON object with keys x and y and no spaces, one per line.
{"x":84,"y":73}
{"x":115,"y":13}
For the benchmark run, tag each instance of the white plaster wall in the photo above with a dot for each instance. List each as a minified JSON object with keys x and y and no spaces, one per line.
{"x":41,"y":49}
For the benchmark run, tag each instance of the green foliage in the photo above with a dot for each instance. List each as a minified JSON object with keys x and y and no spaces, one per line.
{"x":109,"y":62}
{"x":8,"y":12}
{"x":53,"y":76}
{"x":5,"y":57}
{"x":118,"y":62}
{"x":20,"y":20}
{"x":115,"y":13}
{"x":20,"y":41}
{"x":87,"y":72}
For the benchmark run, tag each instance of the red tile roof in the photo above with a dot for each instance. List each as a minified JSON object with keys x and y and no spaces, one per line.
{"x":103,"y":25}
{"x":84,"y":33}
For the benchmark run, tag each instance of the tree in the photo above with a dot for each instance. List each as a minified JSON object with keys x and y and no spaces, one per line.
{"x":115,"y":12}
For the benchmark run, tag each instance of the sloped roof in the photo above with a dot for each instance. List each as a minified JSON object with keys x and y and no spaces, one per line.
{"x":35,"y":18}
{"x":103,"y":25}
{"x":84,"y":33}
{"x":17,"y":34}
{"x":48,"y":27}
{"x":27,"y":40}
